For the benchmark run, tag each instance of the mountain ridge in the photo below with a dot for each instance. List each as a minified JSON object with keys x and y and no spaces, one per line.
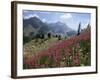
{"x":35,"y":26}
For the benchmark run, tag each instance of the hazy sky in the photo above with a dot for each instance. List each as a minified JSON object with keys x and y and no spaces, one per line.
{"x":69,"y":18}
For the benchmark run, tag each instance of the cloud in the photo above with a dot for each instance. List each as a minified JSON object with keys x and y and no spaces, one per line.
{"x":66,"y":16}
{"x":25,"y":11}
{"x":44,"y":20}
{"x":31,"y":15}
{"x":45,"y":12}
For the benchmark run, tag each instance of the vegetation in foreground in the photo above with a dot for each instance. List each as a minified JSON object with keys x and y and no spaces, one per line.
{"x":71,"y":52}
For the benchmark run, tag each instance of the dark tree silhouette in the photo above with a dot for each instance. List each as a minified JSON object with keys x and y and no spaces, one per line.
{"x":88,"y":26}
{"x":42,"y":36}
{"x":49,"y":35}
{"x":56,"y":35}
{"x":59,"y":37}
{"x":79,"y":29}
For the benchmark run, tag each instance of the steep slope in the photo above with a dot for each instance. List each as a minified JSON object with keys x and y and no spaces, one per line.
{"x":36,"y":25}
{"x":74,"y":51}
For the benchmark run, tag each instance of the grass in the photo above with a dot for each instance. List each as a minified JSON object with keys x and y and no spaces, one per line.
{"x":37,"y":45}
{"x":74,"y":51}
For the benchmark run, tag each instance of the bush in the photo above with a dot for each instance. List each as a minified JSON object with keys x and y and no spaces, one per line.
{"x":49,"y":35}
{"x":26,"y":39}
{"x":59,"y":37}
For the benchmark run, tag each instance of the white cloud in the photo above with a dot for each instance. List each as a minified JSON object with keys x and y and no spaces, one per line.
{"x":25,"y":11}
{"x":31,"y":15}
{"x":45,"y":12}
{"x":66,"y":16}
{"x":44,"y":20}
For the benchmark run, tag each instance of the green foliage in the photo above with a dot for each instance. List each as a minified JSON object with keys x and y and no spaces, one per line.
{"x":85,"y":46}
{"x":42,"y":36}
{"x":46,"y":61}
{"x":85,"y":52}
{"x":26,"y":39}
{"x":25,"y":66}
{"x":69,"y":61}
{"x":49,"y":35}
{"x":43,"y":59}
{"x":51,"y":62}
{"x":62,"y":52}
{"x":59,"y":37}
{"x":65,"y":37}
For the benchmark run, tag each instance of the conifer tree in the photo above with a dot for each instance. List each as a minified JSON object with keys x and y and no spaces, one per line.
{"x":79,"y":29}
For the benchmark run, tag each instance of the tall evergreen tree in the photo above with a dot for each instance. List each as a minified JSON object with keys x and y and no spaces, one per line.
{"x":49,"y":35}
{"x":79,"y":29}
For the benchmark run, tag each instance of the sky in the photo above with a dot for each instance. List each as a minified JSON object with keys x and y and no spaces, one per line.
{"x":72,"y":20}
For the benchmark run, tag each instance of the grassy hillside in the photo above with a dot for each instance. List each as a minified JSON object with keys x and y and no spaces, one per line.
{"x":71,"y":52}
{"x":37,"y":45}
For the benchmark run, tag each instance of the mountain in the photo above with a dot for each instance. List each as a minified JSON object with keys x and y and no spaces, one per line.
{"x":59,"y":27}
{"x":71,"y":33}
{"x":34,"y":21}
{"x":34,"y":26}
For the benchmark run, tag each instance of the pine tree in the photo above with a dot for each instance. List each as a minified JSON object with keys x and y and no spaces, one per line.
{"x":79,"y":29}
{"x":49,"y":35}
